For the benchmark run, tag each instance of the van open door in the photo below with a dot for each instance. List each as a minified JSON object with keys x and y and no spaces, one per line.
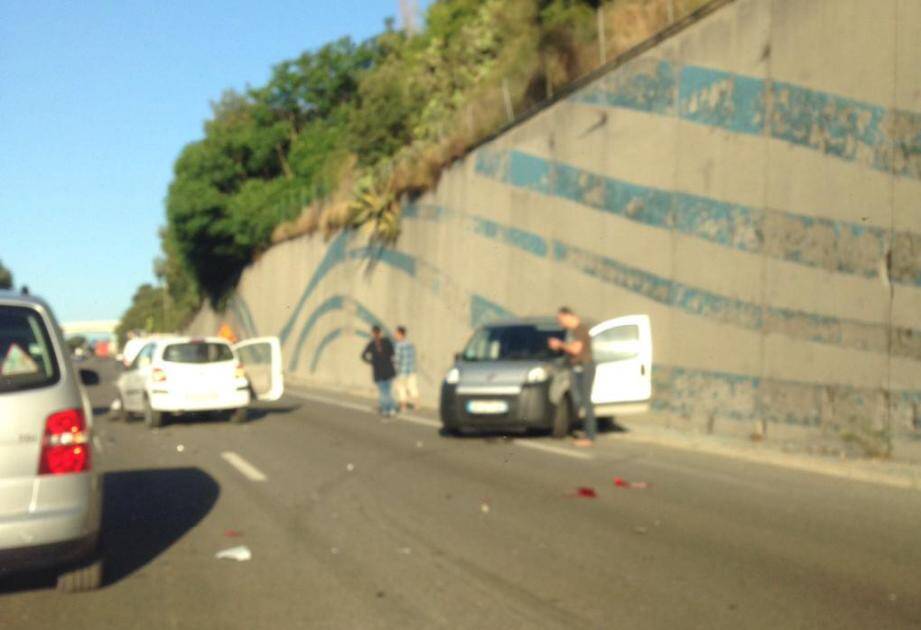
{"x":622,"y":350}
{"x":261,"y":360}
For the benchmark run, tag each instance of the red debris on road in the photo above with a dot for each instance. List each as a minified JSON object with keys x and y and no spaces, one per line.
{"x":636,"y":485}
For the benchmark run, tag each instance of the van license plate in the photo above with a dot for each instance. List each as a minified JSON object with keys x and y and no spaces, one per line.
{"x":487,"y":406}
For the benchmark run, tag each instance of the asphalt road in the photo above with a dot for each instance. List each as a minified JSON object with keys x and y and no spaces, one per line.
{"x":363,"y":523}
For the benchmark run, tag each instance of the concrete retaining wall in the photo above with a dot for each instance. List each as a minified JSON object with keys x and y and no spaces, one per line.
{"x":753,"y":183}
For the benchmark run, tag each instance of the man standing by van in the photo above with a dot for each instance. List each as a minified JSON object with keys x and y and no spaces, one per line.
{"x":379,"y":353}
{"x":578,"y":349}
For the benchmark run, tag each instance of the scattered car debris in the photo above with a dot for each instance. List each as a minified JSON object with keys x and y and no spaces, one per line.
{"x":180,"y":447}
{"x":639,"y":529}
{"x":240,"y":554}
{"x":584,"y":492}
{"x":405,"y":550}
{"x":620,"y":482}
{"x":232,"y":533}
{"x":116,"y":405}
{"x":350,"y":467}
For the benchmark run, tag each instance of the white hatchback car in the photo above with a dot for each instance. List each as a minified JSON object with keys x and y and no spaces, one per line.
{"x":176,"y":375}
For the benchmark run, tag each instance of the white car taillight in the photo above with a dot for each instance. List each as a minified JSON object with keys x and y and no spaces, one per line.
{"x":158,"y":375}
{"x":65,"y":445}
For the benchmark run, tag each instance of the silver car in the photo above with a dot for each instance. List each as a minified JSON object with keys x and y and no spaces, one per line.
{"x":50,"y":496}
{"x":507,"y":379}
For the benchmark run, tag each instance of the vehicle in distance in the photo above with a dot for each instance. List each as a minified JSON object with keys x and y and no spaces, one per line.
{"x":178,"y":375}
{"x":50,"y":496}
{"x":507,"y":378}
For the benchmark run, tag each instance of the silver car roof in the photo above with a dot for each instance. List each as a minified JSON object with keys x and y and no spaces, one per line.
{"x":22,"y":299}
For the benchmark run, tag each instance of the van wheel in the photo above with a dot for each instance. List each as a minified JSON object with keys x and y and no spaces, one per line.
{"x":562,"y":419}
{"x":153,"y":419}
{"x":82,"y":579}
{"x":239,"y":416}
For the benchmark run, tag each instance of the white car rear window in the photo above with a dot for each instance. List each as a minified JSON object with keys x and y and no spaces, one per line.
{"x":197,"y":352}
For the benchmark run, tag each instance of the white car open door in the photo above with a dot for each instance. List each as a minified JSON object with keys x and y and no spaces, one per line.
{"x":622,"y":350}
{"x":261,"y":360}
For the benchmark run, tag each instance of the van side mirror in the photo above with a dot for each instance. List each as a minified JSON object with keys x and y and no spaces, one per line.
{"x":458,"y":356}
{"x":89,"y":377}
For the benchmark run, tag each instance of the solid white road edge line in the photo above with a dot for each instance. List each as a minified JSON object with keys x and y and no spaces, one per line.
{"x":243,"y":467}
{"x":428,"y":422}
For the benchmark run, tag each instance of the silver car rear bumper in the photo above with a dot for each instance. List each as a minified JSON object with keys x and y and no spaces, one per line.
{"x":61,"y":526}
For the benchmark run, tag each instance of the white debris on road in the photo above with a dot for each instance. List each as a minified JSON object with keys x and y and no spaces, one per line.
{"x":240,"y":554}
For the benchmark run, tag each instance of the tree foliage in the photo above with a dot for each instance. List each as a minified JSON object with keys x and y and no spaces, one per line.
{"x":380,"y":118}
{"x":6,"y":277}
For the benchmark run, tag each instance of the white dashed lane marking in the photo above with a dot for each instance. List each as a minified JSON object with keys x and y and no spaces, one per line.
{"x":243,"y":467}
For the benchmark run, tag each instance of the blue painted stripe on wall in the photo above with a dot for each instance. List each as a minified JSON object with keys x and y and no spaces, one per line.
{"x":887,"y":140}
{"x":335,"y":303}
{"x":483,"y":311}
{"x":328,"y":339}
{"x":325,"y":341}
{"x":241,"y":310}
{"x":795,"y":324}
{"x":332,"y":304}
{"x":394,"y":258}
{"x":335,"y":253}
{"x":722,"y":99}
{"x":837,"y":246}
{"x":645,"y":84}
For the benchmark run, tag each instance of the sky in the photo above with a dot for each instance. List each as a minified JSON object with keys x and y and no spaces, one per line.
{"x":96,"y":101}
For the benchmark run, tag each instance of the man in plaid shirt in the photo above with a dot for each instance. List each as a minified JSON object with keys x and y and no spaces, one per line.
{"x":404,"y":360}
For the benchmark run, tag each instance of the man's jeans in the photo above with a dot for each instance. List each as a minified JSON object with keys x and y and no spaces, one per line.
{"x":386,"y":398}
{"x":582,"y":380}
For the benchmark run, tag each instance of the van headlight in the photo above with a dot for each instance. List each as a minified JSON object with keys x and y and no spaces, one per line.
{"x":453,"y":376}
{"x":537,"y":375}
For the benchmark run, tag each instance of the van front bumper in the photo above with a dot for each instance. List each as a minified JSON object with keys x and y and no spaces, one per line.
{"x":529,"y":408}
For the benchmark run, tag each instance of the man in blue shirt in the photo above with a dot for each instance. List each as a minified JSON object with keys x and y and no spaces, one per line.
{"x":407,"y":385}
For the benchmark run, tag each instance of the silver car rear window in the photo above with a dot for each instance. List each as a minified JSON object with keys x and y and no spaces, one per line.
{"x":197,"y":352}
{"x":27,"y":359}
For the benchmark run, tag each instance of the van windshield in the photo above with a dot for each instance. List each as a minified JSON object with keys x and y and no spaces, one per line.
{"x":197,"y":352}
{"x":26,"y":356}
{"x":512,"y":343}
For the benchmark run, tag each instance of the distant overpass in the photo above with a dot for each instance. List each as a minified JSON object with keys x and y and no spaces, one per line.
{"x":98,"y":328}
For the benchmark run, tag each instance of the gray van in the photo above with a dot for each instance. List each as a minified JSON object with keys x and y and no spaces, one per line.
{"x":507,"y":378}
{"x":50,"y":496}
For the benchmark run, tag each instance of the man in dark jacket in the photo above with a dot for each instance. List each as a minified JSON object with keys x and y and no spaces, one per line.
{"x":379,"y":353}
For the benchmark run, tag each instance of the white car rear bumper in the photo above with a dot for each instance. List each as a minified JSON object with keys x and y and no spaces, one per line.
{"x":171,"y":402}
